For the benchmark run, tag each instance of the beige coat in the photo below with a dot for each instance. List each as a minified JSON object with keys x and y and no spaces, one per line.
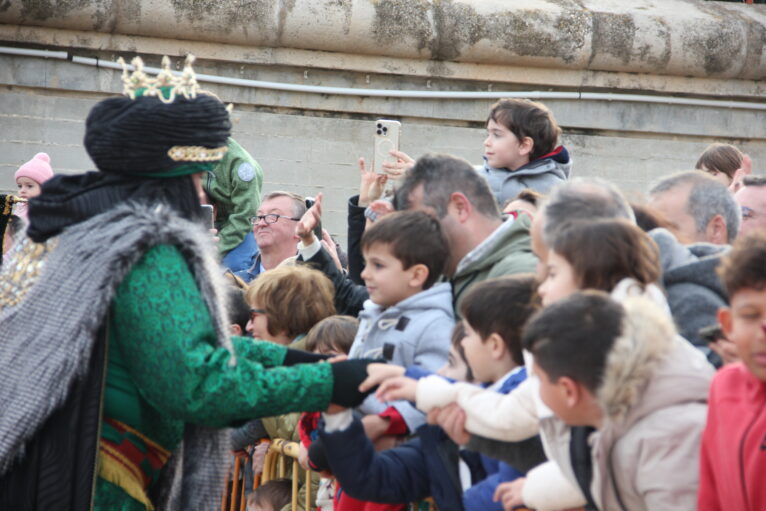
{"x":654,"y":395}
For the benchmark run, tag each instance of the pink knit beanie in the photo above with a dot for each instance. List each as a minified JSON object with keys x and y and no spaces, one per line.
{"x":38,"y":169}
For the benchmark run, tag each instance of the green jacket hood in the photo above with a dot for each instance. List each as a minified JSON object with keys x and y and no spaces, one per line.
{"x":507,"y":251}
{"x":509,"y":241}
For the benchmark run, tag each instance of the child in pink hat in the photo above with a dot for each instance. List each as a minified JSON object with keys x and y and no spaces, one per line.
{"x":29,"y":177}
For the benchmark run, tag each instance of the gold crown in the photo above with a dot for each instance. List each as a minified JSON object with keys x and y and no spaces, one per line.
{"x":166,"y":85}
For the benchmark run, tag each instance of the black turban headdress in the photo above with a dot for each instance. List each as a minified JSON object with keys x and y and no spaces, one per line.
{"x":148,"y":137}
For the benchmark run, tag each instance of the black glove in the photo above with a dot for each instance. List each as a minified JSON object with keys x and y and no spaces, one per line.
{"x":302,"y":357}
{"x":347,"y":376}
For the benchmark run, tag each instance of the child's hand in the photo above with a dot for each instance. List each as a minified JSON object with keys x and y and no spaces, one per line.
{"x":509,"y":494}
{"x":375,"y":426}
{"x":381,"y":208}
{"x":303,"y":456}
{"x":399,"y":388}
{"x":397,"y":169}
{"x":451,"y":419}
{"x":259,"y":456}
{"x":378,"y":373}
{"x":310,"y":219}
{"x":371,"y":185}
{"x":726,"y":349}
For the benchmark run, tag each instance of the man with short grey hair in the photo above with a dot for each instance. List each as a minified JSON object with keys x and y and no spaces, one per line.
{"x":704,"y":218}
{"x":583,"y":199}
{"x":698,"y":208}
{"x":578,"y":199}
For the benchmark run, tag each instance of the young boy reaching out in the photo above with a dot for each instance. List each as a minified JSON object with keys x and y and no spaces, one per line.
{"x":492,"y":349}
{"x":409,"y":316}
{"x":623,"y":372}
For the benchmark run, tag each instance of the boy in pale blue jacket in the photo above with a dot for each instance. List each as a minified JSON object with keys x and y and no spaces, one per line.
{"x":409,"y":317}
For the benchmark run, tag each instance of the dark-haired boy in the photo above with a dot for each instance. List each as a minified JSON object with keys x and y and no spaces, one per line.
{"x":492,"y":346}
{"x":521,"y":149}
{"x":622,"y":371}
{"x":408,"y":318}
{"x":733,"y":458}
{"x":428,"y":465}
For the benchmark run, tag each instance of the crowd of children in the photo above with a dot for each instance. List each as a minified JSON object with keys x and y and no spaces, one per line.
{"x":526,"y":358}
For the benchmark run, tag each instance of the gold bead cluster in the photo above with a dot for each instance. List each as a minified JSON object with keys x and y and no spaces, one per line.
{"x":196,"y":153}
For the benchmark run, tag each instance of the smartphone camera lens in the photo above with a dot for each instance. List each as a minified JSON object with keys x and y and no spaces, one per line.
{"x":380,"y":132}
{"x":380,"y":125}
{"x":385,"y":129}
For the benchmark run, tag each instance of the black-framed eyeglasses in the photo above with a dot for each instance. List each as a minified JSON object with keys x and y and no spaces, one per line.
{"x":271,"y":218}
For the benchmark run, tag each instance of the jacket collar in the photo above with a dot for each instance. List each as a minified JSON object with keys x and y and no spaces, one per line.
{"x":496,"y":246}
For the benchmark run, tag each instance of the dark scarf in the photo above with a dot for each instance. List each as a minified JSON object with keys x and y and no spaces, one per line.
{"x":582,"y":463}
{"x":70,"y":199}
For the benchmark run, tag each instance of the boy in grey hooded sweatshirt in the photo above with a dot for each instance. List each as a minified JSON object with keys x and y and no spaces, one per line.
{"x":521,"y":149}
{"x":409,"y":318}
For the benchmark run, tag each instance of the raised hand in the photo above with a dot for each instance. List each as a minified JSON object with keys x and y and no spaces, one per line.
{"x":371,"y":184}
{"x":402,"y":164}
{"x":308,"y":222}
{"x":381,"y":208}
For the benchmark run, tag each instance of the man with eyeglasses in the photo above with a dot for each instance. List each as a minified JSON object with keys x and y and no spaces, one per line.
{"x":752,"y":198}
{"x":274,"y":230}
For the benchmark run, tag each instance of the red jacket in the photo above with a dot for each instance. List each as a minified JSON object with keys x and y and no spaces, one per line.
{"x":733,"y":458}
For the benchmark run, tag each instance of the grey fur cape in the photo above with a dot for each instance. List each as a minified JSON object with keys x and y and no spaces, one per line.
{"x":54,"y":301}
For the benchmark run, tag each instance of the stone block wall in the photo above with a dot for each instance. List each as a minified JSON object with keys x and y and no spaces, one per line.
{"x":309,"y":142}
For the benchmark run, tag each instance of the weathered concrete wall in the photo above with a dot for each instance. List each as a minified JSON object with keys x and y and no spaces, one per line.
{"x":674,"y":37}
{"x":310,"y":142}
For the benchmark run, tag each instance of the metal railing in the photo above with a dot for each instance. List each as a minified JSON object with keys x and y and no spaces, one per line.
{"x":280,"y":453}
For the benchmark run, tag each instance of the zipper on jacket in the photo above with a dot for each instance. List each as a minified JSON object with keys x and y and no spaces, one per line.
{"x":455,"y":293}
{"x":742,"y":454}
{"x":610,"y":467}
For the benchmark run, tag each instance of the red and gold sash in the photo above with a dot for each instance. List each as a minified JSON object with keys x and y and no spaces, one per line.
{"x":129,"y":459}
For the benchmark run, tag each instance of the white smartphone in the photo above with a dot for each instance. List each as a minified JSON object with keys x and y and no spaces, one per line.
{"x":386,"y":140}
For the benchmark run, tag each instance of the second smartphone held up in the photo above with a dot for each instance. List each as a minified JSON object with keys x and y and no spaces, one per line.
{"x":386,"y":140}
